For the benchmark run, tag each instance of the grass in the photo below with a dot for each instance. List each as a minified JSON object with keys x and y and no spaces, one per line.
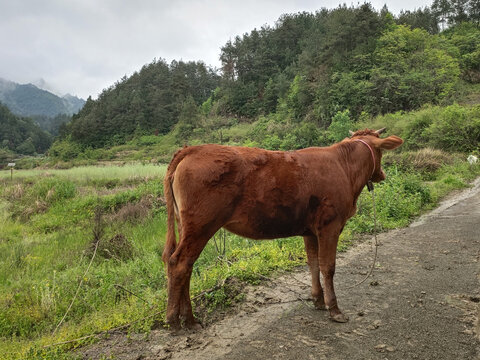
{"x":46,"y":221}
{"x":85,"y":174}
{"x":409,"y":191}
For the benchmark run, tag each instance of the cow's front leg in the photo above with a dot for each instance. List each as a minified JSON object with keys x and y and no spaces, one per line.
{"x":327,"y":245}
{"x":311,"y":248}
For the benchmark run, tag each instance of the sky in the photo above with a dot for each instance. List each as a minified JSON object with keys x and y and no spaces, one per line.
{"x":84,"y":46}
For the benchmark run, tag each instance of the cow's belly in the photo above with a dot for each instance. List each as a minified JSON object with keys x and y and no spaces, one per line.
{"x":258,"y":223}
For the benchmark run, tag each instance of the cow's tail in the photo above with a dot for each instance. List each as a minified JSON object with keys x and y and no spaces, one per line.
{"x":171,"y":241}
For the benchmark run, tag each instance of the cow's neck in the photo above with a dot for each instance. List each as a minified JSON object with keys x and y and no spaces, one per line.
{"x":358,"y":165}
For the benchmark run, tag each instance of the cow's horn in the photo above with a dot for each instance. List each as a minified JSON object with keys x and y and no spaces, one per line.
{"x":380,"y":131}
{"x":351,"y":132}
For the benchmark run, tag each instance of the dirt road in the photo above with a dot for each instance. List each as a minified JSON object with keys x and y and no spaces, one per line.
{"x":422,"y":302}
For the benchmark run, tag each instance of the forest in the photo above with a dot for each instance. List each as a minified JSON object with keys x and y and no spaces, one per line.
{"x":30,"y":118}
{"x":20,"y":135}
{"x":293,"y":84}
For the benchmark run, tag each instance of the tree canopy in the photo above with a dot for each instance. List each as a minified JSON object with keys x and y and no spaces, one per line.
{"x":21,"y":135}
{"x":147,"y":102}
{"x":308,"y":68}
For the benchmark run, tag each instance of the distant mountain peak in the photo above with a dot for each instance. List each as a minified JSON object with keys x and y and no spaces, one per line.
{"x":6,"y":85}
{"x":37,"y":99}
{"x":42,"y":84}
{"x":70,"y":96}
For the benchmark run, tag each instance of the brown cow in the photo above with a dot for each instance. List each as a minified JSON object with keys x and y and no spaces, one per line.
{"x":264,"y":194}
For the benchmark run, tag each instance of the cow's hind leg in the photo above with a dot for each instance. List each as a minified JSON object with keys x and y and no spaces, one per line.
{"x":180,"y":266}
{"x":327,"y":243}
{"x":311,"y":247}
{"x":176,"y":283}
{"x":186,"y":312}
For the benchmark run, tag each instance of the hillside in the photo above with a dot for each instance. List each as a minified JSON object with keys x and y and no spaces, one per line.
{"x":148,"y":102}
{"x":29,"y":100}
{"x":302,"y":82}
{"x":20,"y":135}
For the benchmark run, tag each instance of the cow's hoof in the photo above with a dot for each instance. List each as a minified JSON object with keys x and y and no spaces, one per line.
{"x":194,"y":326}
{"x":319,"y":304}
{"x":340,"y":318}
{"x":174,"y":325}
{"x":175,"y":330}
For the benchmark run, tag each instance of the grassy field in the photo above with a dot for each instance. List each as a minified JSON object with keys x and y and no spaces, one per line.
{"x":51,"y":221}
{"x":86,"y":174}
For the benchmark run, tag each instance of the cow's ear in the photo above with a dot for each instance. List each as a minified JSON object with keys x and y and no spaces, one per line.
{"x":389,"y":143}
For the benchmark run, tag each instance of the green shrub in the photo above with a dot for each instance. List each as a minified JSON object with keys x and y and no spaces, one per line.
{"x":340,"y":126}
{"x":65,"y":150}
{"x":454,"y":128}
{"x":52,"y":353}
{"x":29,"y":162}
{"x":148,"y":140}
{"x":307,"y":135}
{"x":416,"y":130}
{"x":457,"y":129}
{"x":414,"y":186}
{"x":400,"y":197}
{"x":95,"y":154}
{"x":26,"y":147}
{"x":272,"y":142}
{"x":289,"y":142}
{"x":6,"y":156}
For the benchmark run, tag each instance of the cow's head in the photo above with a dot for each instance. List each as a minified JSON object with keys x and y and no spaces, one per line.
{"x":372,"y":139}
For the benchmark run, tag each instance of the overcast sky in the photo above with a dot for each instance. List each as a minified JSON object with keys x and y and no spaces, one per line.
{"x":83,"y":46}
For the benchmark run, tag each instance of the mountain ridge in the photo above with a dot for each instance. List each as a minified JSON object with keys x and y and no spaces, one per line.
{"x":31,"y":101}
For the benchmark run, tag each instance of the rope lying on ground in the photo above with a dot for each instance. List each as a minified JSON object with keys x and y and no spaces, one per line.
{"x":78,"y":288}
{"x":376,"y":242}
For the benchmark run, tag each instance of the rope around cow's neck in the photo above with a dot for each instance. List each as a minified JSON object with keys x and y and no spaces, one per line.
{"x":371,"y":189}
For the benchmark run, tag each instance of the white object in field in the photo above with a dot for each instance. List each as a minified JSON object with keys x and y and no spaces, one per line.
{"x":11,"y":164}
{"x":472,"y":159}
